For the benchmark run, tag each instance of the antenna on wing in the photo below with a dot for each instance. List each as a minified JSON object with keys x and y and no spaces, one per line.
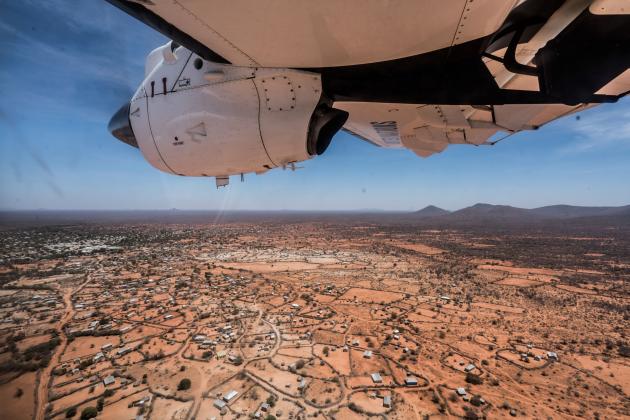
{"x":492,"y":143}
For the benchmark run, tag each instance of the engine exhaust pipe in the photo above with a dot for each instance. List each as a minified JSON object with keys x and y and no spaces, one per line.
{"x":325,"y":123}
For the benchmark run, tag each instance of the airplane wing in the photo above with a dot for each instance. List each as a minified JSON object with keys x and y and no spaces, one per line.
{"x":418,"y":74}
{"x":429,"y":129}
{"x":323,"y":33}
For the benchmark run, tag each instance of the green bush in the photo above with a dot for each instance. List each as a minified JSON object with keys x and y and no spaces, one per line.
{"x":71,"y":412}
{"x":352,"y":406}
{"x":89,"y":413}
{"x":471,"y":378}
{"x":470,"y":415}
{"x":184,"y":384}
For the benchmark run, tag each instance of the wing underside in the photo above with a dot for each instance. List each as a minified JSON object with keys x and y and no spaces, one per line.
{"x":323,"y":33}
{"x":429,"y":129}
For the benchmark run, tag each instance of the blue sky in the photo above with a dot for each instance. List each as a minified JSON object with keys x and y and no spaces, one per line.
{"x":66,"y":67}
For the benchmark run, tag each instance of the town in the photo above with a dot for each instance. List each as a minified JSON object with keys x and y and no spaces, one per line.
{"x":296,"y":320}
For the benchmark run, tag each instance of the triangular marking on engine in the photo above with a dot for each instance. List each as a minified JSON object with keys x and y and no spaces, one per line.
{"x":198,"y":132}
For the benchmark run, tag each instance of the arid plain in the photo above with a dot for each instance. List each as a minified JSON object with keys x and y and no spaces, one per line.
{"x":320,"y":318}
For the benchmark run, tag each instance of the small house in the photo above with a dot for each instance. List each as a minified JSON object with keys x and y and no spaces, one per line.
{"x":230,"y":396}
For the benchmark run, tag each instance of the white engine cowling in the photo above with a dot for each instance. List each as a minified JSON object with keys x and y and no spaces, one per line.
{"x":197,"y":118}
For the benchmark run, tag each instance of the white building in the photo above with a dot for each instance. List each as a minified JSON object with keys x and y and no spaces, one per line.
{"x":411,"y":381}
{"x":230,"y":396}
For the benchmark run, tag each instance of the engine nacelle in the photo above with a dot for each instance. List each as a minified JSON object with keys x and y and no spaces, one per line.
{"x":197,"y":118}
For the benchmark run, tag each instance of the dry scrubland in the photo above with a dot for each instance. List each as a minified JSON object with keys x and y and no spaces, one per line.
{"x":324,"y":320}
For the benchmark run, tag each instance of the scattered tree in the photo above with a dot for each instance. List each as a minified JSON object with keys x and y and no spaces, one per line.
{"x":100,"y":403}
{"x":471,"y":378}
{"x":184,"y":384}
{"x":89,"y":413}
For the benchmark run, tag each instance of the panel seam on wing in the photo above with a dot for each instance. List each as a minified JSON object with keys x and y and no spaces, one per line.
{"x":225,"y":40}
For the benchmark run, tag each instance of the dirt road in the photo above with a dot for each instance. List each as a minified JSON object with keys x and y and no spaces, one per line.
{"x":41,"y":393}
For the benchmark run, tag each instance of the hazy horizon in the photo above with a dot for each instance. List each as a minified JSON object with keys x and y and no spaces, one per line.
{"x":357,"y":210}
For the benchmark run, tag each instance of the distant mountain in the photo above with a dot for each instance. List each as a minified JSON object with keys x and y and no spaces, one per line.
{"x":431,"y":211}
{"x":482,"y":213}
{"x":563,"y":211}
